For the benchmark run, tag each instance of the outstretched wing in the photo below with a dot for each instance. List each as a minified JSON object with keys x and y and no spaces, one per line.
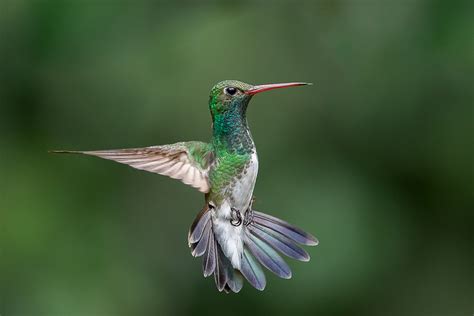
{"x":185,"y":161}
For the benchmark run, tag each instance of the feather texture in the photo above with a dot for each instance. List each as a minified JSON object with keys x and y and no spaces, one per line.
{"x":268,"y":257}
{"x":235,"y":281}
{"x":279,"y":242}
{"x":209,"y":261}
{"x":220,"y":274}
{"x":197,"y":228}
{"x":203,"y":242}
{"x":292,"y":232}
{"x":252,"y":271}
{"x":185,"y":161}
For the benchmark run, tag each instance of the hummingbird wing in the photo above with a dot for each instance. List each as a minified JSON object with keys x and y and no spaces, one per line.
{"x":185,"y":161}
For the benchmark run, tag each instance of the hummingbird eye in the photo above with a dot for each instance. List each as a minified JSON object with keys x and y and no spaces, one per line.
{"x":230,"y":90}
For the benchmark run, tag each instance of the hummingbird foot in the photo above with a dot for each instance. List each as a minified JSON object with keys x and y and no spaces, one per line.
{"x":248,"y":217}
{"x":236,"y":217}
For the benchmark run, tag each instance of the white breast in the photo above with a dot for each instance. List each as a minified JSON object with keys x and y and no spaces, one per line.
{"x":242,"y":189}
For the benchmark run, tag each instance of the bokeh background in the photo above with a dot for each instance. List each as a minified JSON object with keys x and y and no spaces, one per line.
{"x":375,"y":159}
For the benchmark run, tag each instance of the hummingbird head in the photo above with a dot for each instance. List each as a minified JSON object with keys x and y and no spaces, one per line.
{"x":228,"y":105}
{"x":233,"y":96}
{"x":229,"y":95}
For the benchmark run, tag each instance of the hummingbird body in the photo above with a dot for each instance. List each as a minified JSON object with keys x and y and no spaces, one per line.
{"x":234,"y":174}
{"x":237,"y":195}
{"x":228,"y":233}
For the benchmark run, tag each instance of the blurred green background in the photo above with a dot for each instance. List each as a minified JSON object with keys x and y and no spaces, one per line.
{"x":375,"y":159}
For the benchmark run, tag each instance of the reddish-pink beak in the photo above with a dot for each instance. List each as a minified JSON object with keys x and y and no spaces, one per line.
{"x":271,"y":86}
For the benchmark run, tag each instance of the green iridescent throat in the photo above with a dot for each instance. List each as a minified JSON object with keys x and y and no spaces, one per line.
{"x":232,"y":142}
{"x":230,"y":129}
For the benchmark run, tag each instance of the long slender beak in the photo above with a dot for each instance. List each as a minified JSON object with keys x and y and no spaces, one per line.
{"x":271,"y":86}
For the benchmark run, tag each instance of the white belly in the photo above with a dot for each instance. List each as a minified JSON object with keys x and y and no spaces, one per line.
{"x":239,"y":194}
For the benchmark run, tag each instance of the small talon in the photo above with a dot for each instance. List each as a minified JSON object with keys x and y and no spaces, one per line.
{"x":236,"y":218}
{"x":248,"y":217}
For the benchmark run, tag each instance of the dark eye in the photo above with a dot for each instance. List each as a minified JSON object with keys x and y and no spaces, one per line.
{"x":230,"y":90}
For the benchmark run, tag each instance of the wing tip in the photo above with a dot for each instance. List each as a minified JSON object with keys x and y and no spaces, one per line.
{"x":61,"y":151}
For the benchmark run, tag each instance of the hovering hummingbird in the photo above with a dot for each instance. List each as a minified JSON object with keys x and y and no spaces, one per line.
{"x":233,"y":238}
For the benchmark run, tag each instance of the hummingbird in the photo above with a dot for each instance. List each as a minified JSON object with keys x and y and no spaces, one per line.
{"x":234,"y":239}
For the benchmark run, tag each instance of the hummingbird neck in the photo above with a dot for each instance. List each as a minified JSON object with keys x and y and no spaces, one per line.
{"x":231,"y":132}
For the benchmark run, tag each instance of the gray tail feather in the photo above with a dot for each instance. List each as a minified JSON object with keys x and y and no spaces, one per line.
{"x":202,"y":242}
{"x":197,"y":227}
{"x":267,"y":256}
{"x":265,"y":237}
{"x":226,"y":277}
{"x":283,"y":228}
{"x":252,"y":271}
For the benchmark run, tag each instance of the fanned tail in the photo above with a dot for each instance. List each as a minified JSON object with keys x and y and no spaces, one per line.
{"x":264,"y":237}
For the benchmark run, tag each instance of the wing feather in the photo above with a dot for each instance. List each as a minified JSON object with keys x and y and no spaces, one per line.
{"x":185,"y":161}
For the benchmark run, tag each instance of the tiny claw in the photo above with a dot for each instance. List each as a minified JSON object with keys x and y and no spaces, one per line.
{"x":236,"y":217}
{"x":248,"y":218}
